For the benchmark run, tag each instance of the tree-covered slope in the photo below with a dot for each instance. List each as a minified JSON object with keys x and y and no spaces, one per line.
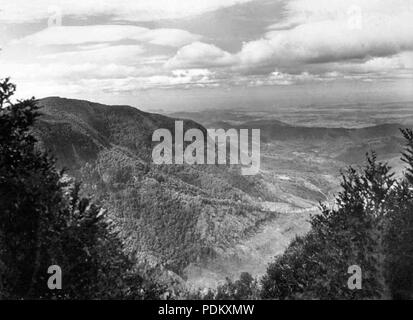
{"x":170,"y":215}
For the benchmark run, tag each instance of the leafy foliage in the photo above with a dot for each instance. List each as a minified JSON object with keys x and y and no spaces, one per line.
{"x":44,"y":221}
{"x":245,"y":288}
{"x":371,"y":226}
{"x":399,"y":236}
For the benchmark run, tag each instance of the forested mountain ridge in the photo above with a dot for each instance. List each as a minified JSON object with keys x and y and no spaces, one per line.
{"x":169,"y":215}
{"x":175,"y":216}
{"x":84,"y":128}
{"x":163,"y":218}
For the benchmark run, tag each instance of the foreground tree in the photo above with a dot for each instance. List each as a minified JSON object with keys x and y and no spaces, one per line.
{"x":399,"y":235}
{"x":370,"y":227}
{"x":245,"y":288}
{"x":44,"y":222}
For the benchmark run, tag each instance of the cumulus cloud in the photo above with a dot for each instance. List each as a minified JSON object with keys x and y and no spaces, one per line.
{"x":316,"y":32}
{"x":335,"y":38}
{"x":311,"y":41}
{"x":178,"y":78}
{"x":200,"y":55}
{"x":378,"y":68}
{"x":69,"y":35}
{"x":279,"y":78}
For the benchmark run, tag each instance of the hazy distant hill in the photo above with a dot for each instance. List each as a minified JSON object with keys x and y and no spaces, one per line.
{"x":348,"y":145}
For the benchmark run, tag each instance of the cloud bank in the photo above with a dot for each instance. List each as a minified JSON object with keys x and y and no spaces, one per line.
{"x":316,"y":32}
{"x":160,"y":44}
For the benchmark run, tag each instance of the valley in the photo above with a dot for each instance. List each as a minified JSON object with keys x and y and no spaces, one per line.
{"x":196,"y":225}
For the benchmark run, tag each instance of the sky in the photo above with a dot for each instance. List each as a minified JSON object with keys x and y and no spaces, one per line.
{"x":195,"y":54}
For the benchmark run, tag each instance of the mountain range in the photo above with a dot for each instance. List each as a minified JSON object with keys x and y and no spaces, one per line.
{"x":180,"y":218}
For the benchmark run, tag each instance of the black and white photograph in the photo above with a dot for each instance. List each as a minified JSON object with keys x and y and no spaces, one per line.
{"x":208,"y":155}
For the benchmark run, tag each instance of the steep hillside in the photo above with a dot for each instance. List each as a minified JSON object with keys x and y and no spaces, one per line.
{"x":83,"y":128}
{"x":170,"y":215}
{"x":203,"y":222}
